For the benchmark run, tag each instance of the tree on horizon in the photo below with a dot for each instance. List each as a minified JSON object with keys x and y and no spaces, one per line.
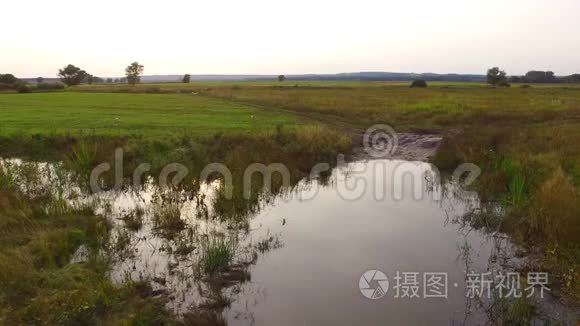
{"x":72,"y":75}
{"x":134,"y":72}
{"x":496,"y":77}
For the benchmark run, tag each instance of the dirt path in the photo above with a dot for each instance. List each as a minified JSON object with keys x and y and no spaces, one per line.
{"x":410,"y":146}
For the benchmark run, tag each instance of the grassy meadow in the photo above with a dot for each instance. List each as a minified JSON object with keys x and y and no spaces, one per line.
{"x":442,"y":107}
{"x":131,"y":114}
{"x":525,"y":140}
{"x":439,"y":108}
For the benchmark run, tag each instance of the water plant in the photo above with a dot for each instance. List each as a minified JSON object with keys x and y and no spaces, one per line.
{"x":167,"y":216}
{"x":7,"y":175}
{"x":268,"y":243}
{"x":216,"y":254}
{"x":518,"y":189}
{"x":82,"y":160}
{"x":517,"y":184}
{"x":510,"y":311}
{"x":134,"y":219}
{"x":121,"y":245}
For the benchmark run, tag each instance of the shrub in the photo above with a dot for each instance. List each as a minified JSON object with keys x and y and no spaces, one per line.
{"x":23,"y":88}
{"x":419,"y":83}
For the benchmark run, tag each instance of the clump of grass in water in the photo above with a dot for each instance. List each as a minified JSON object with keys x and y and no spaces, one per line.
{"x":167,"y":216}
{"x":217,"y":252}
{"x":134,"y":220}
{"x":121,"y":243}
{"x":83,"y":158}
{"x":268,"y":243}
{"x":183,"y":245}
{"x":511,"y":311}
{"x":518,"y":189}
{"x":8,"y":176}
{"x":25,"y":177}
{"x":517,"y":186}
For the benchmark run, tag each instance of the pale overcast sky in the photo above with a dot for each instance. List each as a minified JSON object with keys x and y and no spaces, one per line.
{"x":299,"y":36}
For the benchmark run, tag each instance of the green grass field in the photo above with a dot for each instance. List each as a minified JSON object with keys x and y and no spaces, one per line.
{"x":440,"y":107}
{"x":130,"y":114}
{"x":434,"y":108}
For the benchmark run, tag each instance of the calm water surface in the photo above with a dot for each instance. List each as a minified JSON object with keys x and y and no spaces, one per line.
{"x":300,"y":254}
{"x":326,"y":237}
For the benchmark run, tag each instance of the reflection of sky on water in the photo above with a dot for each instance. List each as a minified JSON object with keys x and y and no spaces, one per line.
{"x":386,"y":215}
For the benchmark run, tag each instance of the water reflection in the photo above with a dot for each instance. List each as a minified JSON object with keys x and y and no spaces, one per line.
{"x":330,"y":242}
{"x":295,"y":256}
{"x":323,"y":238}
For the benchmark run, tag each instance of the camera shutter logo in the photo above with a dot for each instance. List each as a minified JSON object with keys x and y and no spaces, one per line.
{"x":373,"y":284}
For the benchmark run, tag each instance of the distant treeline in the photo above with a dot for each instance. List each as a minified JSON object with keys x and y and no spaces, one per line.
{"x":9,"y":82}
{"x":87,"y":80}
{"x":530,"y":77}
{"x":536,"y":76}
